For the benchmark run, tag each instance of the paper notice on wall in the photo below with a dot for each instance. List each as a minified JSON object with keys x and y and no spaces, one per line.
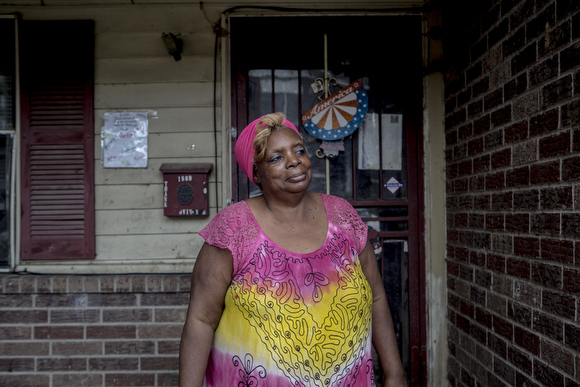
{"x":368,"y":143}
{"x":124,"y":140}
{"x":392,"y":141}
{"x":369,"y":153}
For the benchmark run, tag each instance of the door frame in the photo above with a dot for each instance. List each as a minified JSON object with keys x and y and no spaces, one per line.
{"x":419,"y":351}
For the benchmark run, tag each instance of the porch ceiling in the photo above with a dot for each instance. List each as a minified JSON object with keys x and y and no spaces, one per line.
{"x":371,"y":4}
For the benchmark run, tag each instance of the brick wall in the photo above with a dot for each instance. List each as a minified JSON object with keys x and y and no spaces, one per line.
{"x":513,"y":194}
{"x":91,"y":330}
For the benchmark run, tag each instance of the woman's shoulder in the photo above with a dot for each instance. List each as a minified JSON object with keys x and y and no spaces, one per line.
{"x":237,"y":206}
{"x":233,"y":228}
{"x":342,"y":214}
{"x":234,"y":210}
{"x":230,"y":217}
{"x":336,"y":203}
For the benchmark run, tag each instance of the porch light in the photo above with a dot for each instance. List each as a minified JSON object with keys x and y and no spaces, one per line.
{"x":173,"y":44}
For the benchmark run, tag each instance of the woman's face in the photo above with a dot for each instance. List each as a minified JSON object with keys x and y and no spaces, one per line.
{"x":286,"y":167}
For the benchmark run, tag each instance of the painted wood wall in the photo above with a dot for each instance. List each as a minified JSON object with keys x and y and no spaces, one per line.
{"x":134,"y":72}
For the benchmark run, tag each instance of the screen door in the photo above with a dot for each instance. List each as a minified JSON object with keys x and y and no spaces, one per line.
{"x":276,"y":63}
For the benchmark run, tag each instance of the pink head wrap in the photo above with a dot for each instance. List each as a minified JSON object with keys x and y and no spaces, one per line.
{"x":245,"y":151}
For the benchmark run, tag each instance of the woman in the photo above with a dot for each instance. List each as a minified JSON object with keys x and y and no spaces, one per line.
{"x":286,"y":289}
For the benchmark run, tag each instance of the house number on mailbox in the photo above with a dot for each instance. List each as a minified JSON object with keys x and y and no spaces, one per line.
{"x":185,"y":189}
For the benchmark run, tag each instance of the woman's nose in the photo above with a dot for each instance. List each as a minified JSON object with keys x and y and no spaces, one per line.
{"x":293,"y":160}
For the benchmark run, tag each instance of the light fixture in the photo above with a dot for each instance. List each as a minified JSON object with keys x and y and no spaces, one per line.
{"x":173,"y":43}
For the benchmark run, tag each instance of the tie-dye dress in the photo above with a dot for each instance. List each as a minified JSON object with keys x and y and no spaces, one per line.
{"x":292,"y":319}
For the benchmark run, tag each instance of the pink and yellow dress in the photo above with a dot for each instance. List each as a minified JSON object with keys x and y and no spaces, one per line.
{"x":292,"y":319}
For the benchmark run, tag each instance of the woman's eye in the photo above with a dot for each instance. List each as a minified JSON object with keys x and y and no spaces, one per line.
{"x":275,"y":159}
{"x":300,"y":151}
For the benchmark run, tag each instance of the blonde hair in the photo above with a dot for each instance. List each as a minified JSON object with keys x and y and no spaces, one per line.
{"x":264,"y":128}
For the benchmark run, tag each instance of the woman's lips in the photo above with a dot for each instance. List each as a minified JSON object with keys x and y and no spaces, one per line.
{"x":297,"y":177}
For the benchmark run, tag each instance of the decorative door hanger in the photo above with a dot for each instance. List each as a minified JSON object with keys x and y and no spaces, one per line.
{"x":338,"y":115}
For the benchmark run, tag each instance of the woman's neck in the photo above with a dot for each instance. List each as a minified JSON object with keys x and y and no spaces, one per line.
{"x":292,"y":208}
{"x":291,"y":204}
{"x":300,"y":227}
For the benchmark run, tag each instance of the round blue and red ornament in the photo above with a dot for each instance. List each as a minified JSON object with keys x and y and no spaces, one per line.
{"x":339,"y":115}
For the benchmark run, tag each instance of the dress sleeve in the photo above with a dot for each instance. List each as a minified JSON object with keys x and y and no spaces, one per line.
{"x":232,"y":229}
{"x":345,"y":216}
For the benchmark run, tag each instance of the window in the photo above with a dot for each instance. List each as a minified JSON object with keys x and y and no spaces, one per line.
{"x":57,"y":163}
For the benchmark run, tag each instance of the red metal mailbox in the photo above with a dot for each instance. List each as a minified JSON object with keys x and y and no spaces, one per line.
{"x":185,"y":189}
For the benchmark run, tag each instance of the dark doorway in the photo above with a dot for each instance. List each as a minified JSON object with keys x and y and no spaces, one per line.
{"x":275,"y":62}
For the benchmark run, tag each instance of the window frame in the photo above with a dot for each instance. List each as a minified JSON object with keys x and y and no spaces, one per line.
{"x":13,"y":179}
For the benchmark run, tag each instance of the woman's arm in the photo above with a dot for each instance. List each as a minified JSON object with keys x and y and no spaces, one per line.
{"x":384,"y":339}
{"x":211,"y":277}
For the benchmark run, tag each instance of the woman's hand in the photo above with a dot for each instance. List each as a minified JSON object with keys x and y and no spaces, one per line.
{"x":210,"y":280}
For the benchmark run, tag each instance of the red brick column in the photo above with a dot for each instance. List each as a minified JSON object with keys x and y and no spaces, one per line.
{"x":512,"y":99}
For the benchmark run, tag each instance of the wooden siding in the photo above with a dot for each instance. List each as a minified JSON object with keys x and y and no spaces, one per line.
{"x":134,"y":72}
